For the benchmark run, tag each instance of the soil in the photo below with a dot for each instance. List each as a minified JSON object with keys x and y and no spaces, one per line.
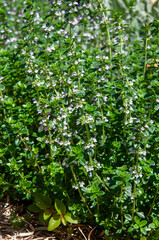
{"x":14,"y":226}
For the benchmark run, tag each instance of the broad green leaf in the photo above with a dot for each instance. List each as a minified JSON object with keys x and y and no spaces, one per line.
{"x":141,"y":214}
{"x":60,"y":207}
{"x":137,"y":220}
{"x":17,"y":142}
{"x":70,"y":218}
{"x":64,"y":221}
{"x":47,"y":213}
{"x":143,"y":223}
{"x":152,"y":225}
{"x":54,"y":222}
{"x":143,"y":230}
{"x":8,"y":101}
{"x":2,"y":87}
{"x":34,"y":208}
{"x":130,"y":229}
{"x":136,"y":226}
{"x":156,"y":222}
{"x":128,"y":217}
{"x":42,"y":201}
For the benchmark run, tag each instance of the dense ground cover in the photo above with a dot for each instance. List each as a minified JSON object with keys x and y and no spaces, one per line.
{"x":79,"y":117}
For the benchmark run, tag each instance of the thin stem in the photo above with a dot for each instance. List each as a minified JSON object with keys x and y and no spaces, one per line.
{"x":134,"y":202}
{"x":88,"y":137}
{"x":87,"y":129}
{"x":109,"y":39}
{"x":100,"y":180}
{"x":145,"y":48}
{"x":50,"y":137}
{"x":91,"y":162}
{"x":152,"y":205}
{"x":46,"y":53}
{"x":79,"y":190}
{"x":134,"y":191}
{"x":103,"y":131}
{"x":121,"y":43}
{"x":121,"y":206}
{"x":108,"y":34}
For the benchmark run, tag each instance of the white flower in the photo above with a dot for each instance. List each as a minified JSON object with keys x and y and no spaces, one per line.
{"x":82,"y":184}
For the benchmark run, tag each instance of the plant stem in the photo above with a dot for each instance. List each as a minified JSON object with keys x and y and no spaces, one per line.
{"x":134,"y":191}
{"x":145,"y":49}
{"x":121,"y":206}
{"x":88,"y":137}
{"x":79,"y":190}
{"x":50,"y":137}
{"x":46,"y":53}
{"x":103,"y":131}
{"x":109,"y":40}
{"x":134,"y":201}
{"x":121,"y":43}
{"x":91,"y":162}
{"x":100,"y":180}
{"x":152,"y":205}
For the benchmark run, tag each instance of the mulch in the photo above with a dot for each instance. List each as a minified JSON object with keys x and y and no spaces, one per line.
{"x":33,"y":230}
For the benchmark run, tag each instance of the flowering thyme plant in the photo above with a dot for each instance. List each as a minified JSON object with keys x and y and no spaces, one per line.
{"x":79,"y":112}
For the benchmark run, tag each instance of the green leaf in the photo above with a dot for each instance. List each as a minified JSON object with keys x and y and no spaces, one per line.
{"x":54,"y":222}
{"x":42,"y":201}
{"x":143,"y":230}
{"x":130,"y":229}
{"x":64,"y":221}
{"x":156,"y":222}
{"x":136,"y":226}
{"x":47,"y":213}
{"x":34,"y":208}
{"x":141,"y":214}
{"x":70,"y":218}
{"x":128,"y":217}
{"x":143,"y":238}
{"x":152,"y":225}
{"x":143,"y":223}
{"x":60,"y":207}
{"x":17,"y":142}
{"x":2,"y":87}
{"x":137,"y":220}
{"x":8,"y":101}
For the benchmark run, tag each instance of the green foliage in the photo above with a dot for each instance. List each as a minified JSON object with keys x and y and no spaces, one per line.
{"x":54,"y":222}
{"x":56,"y":215}
{"x":79,"y":117}
{"x":42,"y":201}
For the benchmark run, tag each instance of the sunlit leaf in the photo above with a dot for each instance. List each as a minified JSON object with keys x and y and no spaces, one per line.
{"x":59,"y":206}
{"x":70,"y":218}
{"x":54,"y":222}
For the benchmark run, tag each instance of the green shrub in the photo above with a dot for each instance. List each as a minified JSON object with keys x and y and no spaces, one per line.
{"x":79,"y":117}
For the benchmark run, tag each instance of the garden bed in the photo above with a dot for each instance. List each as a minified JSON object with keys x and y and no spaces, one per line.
{"x":79,"y":120}
{"x":11,"y":214}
